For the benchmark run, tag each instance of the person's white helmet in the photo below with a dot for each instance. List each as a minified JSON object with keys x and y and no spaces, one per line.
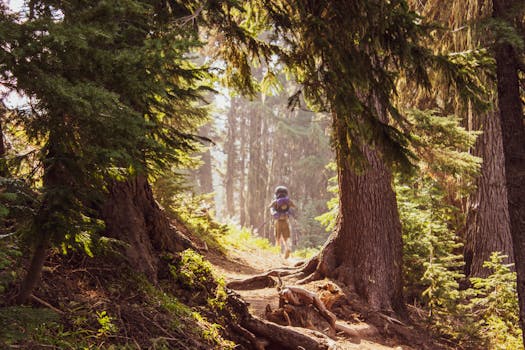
{"x":281,"y":191}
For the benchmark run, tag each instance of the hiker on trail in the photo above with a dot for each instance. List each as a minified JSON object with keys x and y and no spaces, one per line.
{"x":281,"y":208}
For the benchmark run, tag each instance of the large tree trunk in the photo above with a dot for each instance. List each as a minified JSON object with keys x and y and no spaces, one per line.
{"x":488,"y":227}
{"x":511,"y":117}
{"x":365,"y":251}
{"x":133,"y":216}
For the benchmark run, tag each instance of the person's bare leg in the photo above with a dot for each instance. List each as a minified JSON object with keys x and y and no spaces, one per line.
{"x":286,"y":248}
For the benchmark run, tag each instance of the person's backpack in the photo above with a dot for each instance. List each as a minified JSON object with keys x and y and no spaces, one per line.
{"x":282,"y":205}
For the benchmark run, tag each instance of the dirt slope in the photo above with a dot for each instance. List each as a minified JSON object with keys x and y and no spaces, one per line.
{"x":240,"y":265}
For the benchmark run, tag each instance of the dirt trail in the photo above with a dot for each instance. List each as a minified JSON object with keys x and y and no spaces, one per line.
{"x":244,"y":264}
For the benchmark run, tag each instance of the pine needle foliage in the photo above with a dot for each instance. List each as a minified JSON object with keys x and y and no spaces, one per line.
{"x":113,"y":92}
{"x":429,"y":204}
{"x":348,"y":56}
{"x":494,"y":305}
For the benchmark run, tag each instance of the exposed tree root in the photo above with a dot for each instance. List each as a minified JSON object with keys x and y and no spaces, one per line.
{"x":256,"y":282}
{"x":308,"y":319}
{"x":301,"y":307}
{"x":297,"y":296}
{"x":289,"y":337}
{"x":266,"y":332}
{"x":314,"y":276}
{"x":264,"y":280}
{"x":258,"y":344}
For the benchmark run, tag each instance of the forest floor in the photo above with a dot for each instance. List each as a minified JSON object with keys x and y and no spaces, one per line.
{"x":243,"y":264}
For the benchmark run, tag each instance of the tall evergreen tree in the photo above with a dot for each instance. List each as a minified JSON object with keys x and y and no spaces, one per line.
{"x":509,"y":19}
{"x":347,"y":55}
{"x":487,"y":220}
{"x":113,"y":97}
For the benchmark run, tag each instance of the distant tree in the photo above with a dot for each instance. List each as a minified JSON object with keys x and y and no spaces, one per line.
{"x":293,"y":150}
{"x":243,"y":130}
{"x":232,"y":158}
{"x":205,"y":173}
{"x":257,"y":174}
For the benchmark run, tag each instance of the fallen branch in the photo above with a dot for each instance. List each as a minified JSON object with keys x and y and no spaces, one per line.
{"x":45,"y":303}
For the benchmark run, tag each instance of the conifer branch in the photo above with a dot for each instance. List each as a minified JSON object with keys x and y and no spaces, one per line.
{"x":184,"y":20}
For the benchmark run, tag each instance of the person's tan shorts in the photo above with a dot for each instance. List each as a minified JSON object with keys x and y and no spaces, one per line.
{"x":282,"y":229}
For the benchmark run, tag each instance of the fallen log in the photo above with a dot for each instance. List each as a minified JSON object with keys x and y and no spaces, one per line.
{"x":289,"y":337}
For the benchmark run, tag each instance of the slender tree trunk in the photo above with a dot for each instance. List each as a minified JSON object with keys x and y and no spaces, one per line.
{"x":264,"y":175}
{"x":4,"y":172}
{"x":255,"y":205}
{"x":205,"y":171}
{"x":488,"y":223}
{"x":132,"y":215}
{"x":365,"y":251}
{"x":231,"y":156}
{"x":511,"y":117}
{"x":242,"y":172}
{"x":34,"y":272}
{"x":55,"y":179}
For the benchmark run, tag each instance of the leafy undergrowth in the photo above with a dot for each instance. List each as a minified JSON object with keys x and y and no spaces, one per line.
{"x":99,"y":303}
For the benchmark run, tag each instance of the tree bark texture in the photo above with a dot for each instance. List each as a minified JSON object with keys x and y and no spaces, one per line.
{"x":365,"y":251}
{"x":513,"y":131}
{"x":133,"y":216}
{"x":488,"y":223}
